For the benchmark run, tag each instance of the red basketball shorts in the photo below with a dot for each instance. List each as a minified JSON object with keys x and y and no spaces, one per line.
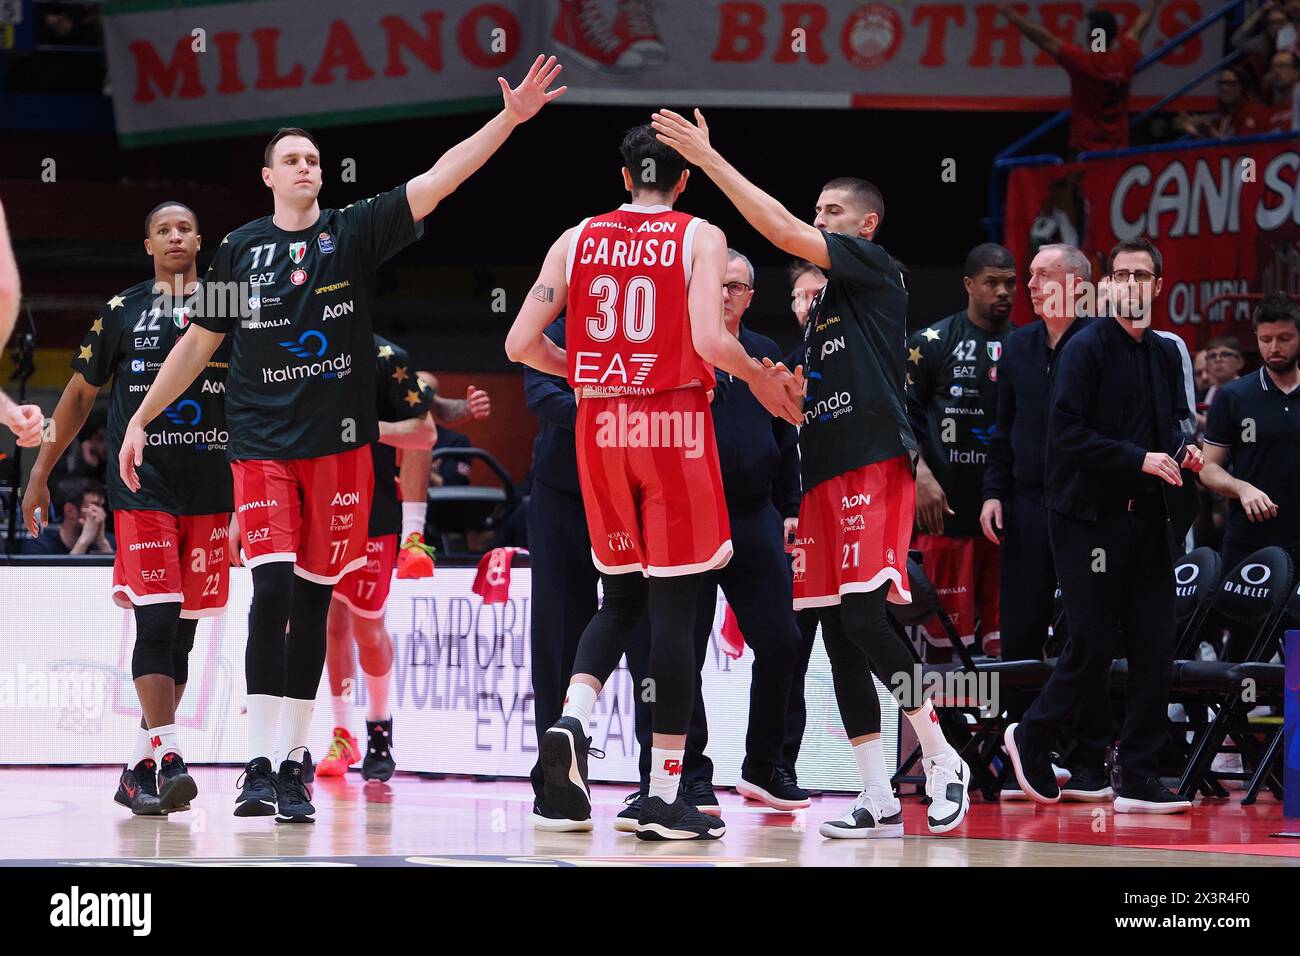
{"x":365,"y":590}
{"x":311,"y":511}
{"x":966,"y":572}
{"x":854,"y":531}
{"x":165,"y":558}
{"x":648,"y":466}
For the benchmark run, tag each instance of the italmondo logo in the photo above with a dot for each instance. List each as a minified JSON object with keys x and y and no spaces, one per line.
{"x":308,"y":346}
{"x":841,"y":403}
{"x":188,"y":415}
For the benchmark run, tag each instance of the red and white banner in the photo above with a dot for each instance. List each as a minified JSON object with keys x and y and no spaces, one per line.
{"x":207,"y":68}
{"x":1225,"y":219}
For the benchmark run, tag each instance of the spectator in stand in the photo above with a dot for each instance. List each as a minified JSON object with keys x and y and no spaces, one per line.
{"x":88,"y":457}
{"x":1236,"y":115}
{"x":1100,"y":70}
{"x":1223,"y":363}
{"x":1284,"y":91}
{"x":1278,"y":33}
{"x":84,"y":526}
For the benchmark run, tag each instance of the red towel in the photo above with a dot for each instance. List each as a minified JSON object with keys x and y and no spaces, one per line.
{"x":733,"y":642}
{"x":492,"y":582}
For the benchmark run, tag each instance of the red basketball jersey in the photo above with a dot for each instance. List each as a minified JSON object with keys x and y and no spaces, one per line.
{"x":629,"y":330}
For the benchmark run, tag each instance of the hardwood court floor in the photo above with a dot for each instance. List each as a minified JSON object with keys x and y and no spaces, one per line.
{"x":50,"y":815}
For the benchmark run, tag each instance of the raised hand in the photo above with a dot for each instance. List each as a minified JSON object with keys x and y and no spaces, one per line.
{"x":691,"y":141}
{"x":523,"y":102}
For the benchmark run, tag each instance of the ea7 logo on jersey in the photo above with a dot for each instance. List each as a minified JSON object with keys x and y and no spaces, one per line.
{"x":615,"y":374}
{"x":156,"y":574}
{"x":261,"y":278}
{"x":855,"y":501}
{"x":258,"y":534}
{"x":350,"y":498}
{"x":831,"y":346}
{"x":335,"y":311}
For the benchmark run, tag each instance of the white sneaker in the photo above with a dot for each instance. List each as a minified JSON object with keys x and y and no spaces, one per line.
{"x":872,"y":817}
{"x":947,"y":779}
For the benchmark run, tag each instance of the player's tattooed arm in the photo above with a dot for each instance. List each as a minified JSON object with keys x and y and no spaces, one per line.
{"x":526,"y":341}
{"x":520,"y":103}
{"x":777,"y":224}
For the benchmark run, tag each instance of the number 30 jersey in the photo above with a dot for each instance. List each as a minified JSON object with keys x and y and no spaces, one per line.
{"x":629,"y":329}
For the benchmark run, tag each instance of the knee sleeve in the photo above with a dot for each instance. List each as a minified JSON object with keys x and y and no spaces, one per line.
{"x":305,"y":655}
{"x":273,"y":588}
{"x":155,"y":634}
{"x":181,"y":648}
{"x":866,"y":622}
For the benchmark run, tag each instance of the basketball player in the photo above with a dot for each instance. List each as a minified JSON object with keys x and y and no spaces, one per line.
{"x":857,"y":452}
{"x":23,"y":420}
{"x":645,"y":279}
{"x":408,"y":407}
{"x":359,"y":600}
{"x":172,"y":565}
{"x":301,"y":402}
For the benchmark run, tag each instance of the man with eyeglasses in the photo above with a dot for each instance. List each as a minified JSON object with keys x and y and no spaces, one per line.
{"x":1236,"y":114}
{"x":1255,"y":423}
{"x":951,"y":386}
{"x":1116,"y":441}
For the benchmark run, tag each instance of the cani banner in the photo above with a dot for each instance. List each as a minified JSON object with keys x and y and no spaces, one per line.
{"x":209,"y":68}
{"x":1225,"y":219}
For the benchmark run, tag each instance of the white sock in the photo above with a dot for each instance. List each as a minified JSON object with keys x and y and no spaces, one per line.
{"x":413,"y":514}
{"x":871,"y":764}
{"x":295,"y":724}
{"x":377,"y":695}
{"x":143,"y":748}
{"x":665,"y":773}
{"x":166,"y":741}
{"x":264,"y":725}
{"x":925,"y":724}
{"x":342,"y":708}
{"x":578,"y":702}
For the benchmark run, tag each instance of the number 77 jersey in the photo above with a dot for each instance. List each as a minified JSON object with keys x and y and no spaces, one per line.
{"x":629,"y":328}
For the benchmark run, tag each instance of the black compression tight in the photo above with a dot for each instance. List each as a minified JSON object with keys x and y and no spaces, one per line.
{"x":671,"y":605}
{"x":859,"y":642}
{"x":276,"y":665}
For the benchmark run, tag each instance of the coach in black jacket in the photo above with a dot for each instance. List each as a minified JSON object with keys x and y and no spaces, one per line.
{"x":1114,"y":442}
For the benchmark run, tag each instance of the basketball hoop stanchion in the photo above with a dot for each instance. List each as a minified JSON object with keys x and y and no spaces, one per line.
{"x":24,"y":368}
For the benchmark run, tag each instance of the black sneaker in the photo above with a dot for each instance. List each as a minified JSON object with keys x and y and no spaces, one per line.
{"x":176,"y":788}
{"x":295,"y":804}
{"x":544,"y":818}
{"x":1087,"y":785}
{"x":699,"y":794}
{"x":627,"y":818}
{"x":776,"y":787}
{"x":1149,"y":796}
{"x":564,"y":769}
{"x":1033,"y":768}
{"x":379,"y":763}
{"x":258,"y":793}
{"x":137,"y":789}
{"x":676,"y":821}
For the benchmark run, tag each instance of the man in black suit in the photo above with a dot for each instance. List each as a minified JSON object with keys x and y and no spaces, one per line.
{"x":1115,"y":441}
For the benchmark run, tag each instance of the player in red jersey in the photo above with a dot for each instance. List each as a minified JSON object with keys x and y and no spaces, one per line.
{"x":172,"y":566}
{"x":301,"y":399}
{"x":642,"y":289}
{"x":856,"y":455}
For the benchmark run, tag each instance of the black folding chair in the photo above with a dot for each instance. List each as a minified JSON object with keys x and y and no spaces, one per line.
{"x":975,"y":733}
{"x":1254,"y":595}
{"x":1269,"y":770}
